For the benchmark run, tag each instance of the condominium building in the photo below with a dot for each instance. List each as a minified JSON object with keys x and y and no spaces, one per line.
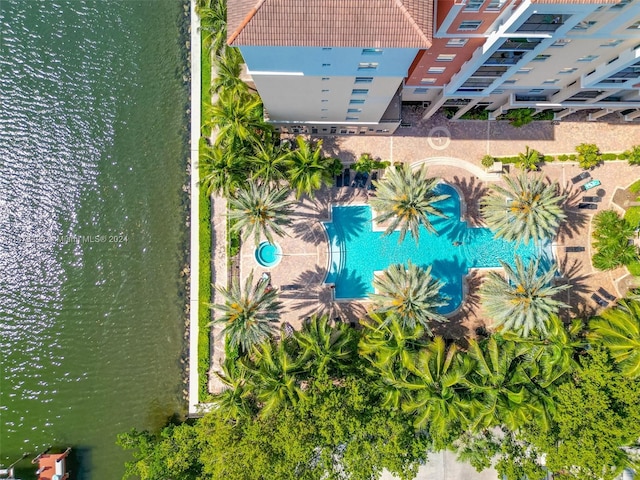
{"x":345,"y":66}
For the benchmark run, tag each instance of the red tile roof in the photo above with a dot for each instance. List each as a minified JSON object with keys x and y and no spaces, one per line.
{"x":331,"y":23}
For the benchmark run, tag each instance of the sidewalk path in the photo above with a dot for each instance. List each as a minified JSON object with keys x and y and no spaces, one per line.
{"x":195,"y":212}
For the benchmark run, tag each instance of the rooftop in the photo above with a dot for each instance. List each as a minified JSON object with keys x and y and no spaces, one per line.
{"x":330,"y":23}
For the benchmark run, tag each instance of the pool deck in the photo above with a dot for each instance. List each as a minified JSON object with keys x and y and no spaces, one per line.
{"x":453,"y":152}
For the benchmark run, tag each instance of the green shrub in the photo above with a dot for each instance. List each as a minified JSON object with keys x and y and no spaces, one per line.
{"x":476,"y":113}
{"x":366,"y":163}
{"x":487,"y":161}
{"x":572,"y":157}
{"x":588,"y":155}
{"x":544,"y":115}
{"x":632,"y":215}
{"x":548,"y":158}
{"x":623,"y":156}
{"x":609,"y":156}
{"x":633,"y":155}
{"x":634,"y":188}
{"x":611,"y":236}
{"x":449,"y":112}
{"x":634,"y":268}
{"x":563,"y":157}
{"x":520,"y":116}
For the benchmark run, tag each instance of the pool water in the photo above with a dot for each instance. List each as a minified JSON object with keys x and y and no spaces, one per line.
{"x":268,"y":255}
{"x":356,"y":251}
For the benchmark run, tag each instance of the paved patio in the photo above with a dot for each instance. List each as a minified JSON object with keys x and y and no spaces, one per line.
{"x":454,"y":154}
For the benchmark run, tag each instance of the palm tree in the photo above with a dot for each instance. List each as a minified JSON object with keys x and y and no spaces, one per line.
{"x":248,"y":314}
{"x":555,"y":351}
{"x":325,"y":349}
{"x":523,"y":301}
{"x":388,"y":345}
{"x":260,"y":211}
{"x":406,"y":198}
{"x":410,"y":293}
{"x":274,"y":379}
{"x":213,"y":22}
{"x":220,"y":172}
{"x":269,"y":163}
{"x":529,"y":159}
{"x":502,"y":386}
{"x":437,"y":390}
{"x":238,"y":119}
{"x":619,"y":330}
{"x":228,"y":67}
{"x":307,"y":169}
{"x":235,"y":400}
{"x":527,"y":209}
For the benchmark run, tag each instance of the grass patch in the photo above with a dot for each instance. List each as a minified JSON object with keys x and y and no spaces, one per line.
{"x":635,"y":187}
{"x":632,"y":215}
{"x":204,"y":281}
{"x":634,"y":268}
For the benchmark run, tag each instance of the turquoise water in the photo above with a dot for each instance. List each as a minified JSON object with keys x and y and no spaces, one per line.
{"x":93,"y":158}
{"x":357,"y":251}
{"x":268,"y":255}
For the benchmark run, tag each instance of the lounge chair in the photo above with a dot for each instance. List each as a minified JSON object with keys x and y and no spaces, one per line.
{"x":339,"y":180}
{"x":606,"y":294}
{"x":293,"y":286}
{"x":581,"y":177}
{"x":588,"y":206}
{"x":346,"y":177}
{"x":374,"y":178}
{"x":574,"y":249}
{"x":596,"y":298}
{"x":589,"y":185}
{"x":356,"y":180}
{"x":363,"y":180}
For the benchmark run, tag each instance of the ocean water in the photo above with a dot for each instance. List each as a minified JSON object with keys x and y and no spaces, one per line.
{"x":93,"y":156}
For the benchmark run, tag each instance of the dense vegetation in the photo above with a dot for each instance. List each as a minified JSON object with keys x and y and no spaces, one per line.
{"x":336,"y":402}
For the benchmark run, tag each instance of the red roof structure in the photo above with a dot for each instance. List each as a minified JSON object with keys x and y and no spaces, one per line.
{"x":330,"y":23}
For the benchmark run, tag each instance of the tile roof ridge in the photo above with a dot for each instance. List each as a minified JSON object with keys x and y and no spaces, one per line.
{"x":244,"y":22}
{"x":405,"y":11}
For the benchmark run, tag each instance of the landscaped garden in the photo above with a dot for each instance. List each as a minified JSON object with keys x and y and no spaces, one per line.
{"x":334,"y":400}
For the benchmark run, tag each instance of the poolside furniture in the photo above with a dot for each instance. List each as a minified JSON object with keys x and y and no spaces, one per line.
{"x":596,"y":298}
{"x":592,"y":184}
{"x":363,"y":180}
{"x":592,"y":199}
{"x":606,"y":294}
{"x":574,"y":249}
{"x":293,"y":286}
{"x":581,"y":177}
{"x":346,"y":177}
{"x":374,"y":178}
{"x":588,"y":206}
{"x":339,"y":181}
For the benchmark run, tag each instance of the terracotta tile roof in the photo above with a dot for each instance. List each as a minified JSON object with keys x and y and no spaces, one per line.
{"x":331,"y":23}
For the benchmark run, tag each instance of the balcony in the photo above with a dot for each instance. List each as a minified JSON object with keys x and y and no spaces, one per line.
{"x":541,"y":23}
{"x":519,"y":44}
{"x":504,"y":58}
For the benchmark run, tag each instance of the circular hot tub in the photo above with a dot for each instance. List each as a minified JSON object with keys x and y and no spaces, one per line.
{"x":268,"y":254}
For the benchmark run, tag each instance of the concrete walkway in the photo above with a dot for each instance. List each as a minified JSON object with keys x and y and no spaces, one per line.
{"x":195,"y":212}
{"x":444,"y":466}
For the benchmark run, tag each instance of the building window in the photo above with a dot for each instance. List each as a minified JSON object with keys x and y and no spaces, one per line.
{"x":352,"y":119}
{"x":356,"y":102}
{"x":324,"y":79}
{"x":324,"y":110}
{"x":367,"y":65}
{"x":588,"y":58}
{"x":470,"y":25}
{"x":621,"y":4}
{"x":360,"y":91}
{"x":457,"y":42}
{"x":364,"y":79}
{"x":371,"y":51}
{"x":550,"y":81}
{"x":584,"y":25}
{"x":612,"y":43}
{"x":525,"y":70}
{"x":474,"y":5}
{"x":427,"y":81}
{"x":445,"y":57}
{"x":561,"y":42}
{"x":326,"y":64}
{"x":568,"y":70}
{"x":509,"y":82}
{"x":326,"y":49}
{"x":436,"y":70}
{"x":536,"y":90}
{"x":495,"y":4}
{"x":324,"y":100}
{"x":325,"y":90}
{"x":354,"y":110}
{"x":634,"y":26}
{"x":540,"y":58}
{"x":420,"y":90}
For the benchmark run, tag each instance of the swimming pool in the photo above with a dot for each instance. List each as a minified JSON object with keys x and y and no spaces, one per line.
{"x":356,"y":251}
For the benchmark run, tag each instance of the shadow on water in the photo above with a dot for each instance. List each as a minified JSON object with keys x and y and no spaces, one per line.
{"x":473,"y":191}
